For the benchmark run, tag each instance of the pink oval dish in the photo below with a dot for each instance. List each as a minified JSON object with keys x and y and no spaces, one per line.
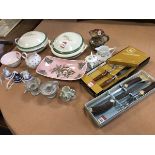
{"x":62,"y":69}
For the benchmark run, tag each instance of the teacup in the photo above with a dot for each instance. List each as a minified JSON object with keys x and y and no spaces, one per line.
{"x":11,"y":59}
{"x":32,"y":60}
{"x":26,"y":75}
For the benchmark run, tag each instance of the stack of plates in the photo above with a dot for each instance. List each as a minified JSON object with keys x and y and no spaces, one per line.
{"x":32,"y":41}
{"x":68,"y":45}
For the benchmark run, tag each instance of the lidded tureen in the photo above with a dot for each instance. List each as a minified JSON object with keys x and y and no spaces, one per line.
{"x":68,"y":45}
{"x":32,"y":41}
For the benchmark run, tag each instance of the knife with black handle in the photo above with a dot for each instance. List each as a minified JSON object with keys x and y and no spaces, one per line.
{"x":96,"y":110}
{"x":146,"y":89}
{"x":132,"y":89}
{"x":132,"y":81}
{"x":142,"y":92}
{"x":121,"y":72}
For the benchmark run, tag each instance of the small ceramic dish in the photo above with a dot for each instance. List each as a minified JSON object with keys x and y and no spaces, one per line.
{"x":49,"y":88}
{"x":62,"y":69}
{"x":11,"y":59}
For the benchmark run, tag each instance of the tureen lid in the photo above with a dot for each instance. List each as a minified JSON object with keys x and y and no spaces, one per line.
{"x":68,"y":42}
{"x":31,"y":39}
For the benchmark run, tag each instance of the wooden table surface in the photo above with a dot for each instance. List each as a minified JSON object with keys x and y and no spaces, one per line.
{"x":26,"y":114}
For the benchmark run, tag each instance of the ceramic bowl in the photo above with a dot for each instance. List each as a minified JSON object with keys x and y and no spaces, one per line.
{"x":11,"y":59}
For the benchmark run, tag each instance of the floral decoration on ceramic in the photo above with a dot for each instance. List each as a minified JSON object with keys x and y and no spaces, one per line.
{"x":62,"y":69}
{"x":81,"y":65}
{"x":67,"y":94}
{"x":47,"y":60}
{"x":43,"y":72}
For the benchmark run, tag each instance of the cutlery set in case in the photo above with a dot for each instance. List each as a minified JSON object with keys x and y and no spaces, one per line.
{"x":118,"y":67}
{"x":121,"y":97}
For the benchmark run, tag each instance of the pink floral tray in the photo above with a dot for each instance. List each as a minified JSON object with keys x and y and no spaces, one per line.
{"x":62,"y":69}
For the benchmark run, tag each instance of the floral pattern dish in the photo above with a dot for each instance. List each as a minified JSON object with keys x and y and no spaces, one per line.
{"x":62,"y":69}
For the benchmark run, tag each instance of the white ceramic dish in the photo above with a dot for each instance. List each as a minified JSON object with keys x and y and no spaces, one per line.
{"x":72,"y":55}
{"x":11,"y":59}
{"x":31,"y":39}
{"x":35,"y":49}
{"x":67,"y":43}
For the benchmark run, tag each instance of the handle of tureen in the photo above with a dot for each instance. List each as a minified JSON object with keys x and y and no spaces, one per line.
{"x":24,"y":55}
{"x":85,"y":46}
{"x":49,"y":43}
{"x":16,"y":41}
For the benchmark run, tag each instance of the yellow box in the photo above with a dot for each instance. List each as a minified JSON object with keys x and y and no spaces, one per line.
{"x":129,"y":56}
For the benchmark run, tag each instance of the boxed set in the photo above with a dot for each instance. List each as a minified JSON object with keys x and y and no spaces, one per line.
{"x":121,"y":97}
{"x":118,"y":67}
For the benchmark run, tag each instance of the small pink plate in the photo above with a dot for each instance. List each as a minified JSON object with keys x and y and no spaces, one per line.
{"x":62,"y":69}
